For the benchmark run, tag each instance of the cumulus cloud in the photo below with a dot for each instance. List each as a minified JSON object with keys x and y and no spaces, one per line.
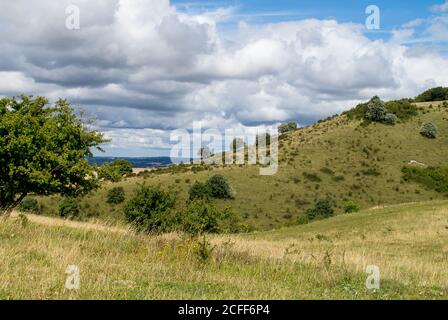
{"x":142,"y":67}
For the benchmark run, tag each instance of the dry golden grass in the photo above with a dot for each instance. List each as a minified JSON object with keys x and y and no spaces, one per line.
{"x":322,"y":260}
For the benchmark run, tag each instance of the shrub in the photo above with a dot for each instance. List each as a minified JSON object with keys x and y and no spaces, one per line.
{"x":435,"y":178}
{"x":201,"y":216}
{"x":351,"y":207}
{"x":390,"y":118}
{"x":402,"y":109}
{"x":69,"y":207}
{"x":29,"y":204}
{"x":323,"y":208}
{"x":429,"y":130}
{"x":303,"y":219}
{"x":149,"y":209}
{"x":219,"y":187}
{"x":312,"y":177}
{"x":376,"y":110}
{"x":116,"y":195}
{"x":199,"y":190}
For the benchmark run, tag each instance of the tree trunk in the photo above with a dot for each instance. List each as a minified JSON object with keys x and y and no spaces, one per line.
{"x":7,"y":210}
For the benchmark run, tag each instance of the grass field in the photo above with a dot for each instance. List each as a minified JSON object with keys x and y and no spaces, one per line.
{"x":321,"y":260}
{"x":352,"y":163}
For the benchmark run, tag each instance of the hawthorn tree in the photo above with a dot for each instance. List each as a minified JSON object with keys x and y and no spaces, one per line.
{"x":43,"y":150}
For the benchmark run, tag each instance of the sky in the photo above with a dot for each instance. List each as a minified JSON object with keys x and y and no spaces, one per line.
{"x":143,"y":68}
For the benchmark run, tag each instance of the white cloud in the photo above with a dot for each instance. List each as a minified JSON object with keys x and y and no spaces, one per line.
{"x":443,"y":7}
{"x":142,"y":67}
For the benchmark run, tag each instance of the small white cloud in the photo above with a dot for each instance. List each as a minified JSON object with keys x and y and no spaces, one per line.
{"x":443,"y":7}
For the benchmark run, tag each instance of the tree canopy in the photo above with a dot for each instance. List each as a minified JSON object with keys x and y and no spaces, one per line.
{"x":43,"y":150}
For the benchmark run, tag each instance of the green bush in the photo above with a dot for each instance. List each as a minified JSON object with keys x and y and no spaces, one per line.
{"x":287,"y":127}
{"x":303,"y":219}
{"x":435,"y":178}
{"x":201,"y":216}
{"x":429,"y":130}
{"x":312,"y":177}
{"x":149,"y":210}
{"x":351,"y":207}
{"x":199,"y":190}
{"x":403,"y":109}
{"x":29,"y":204}
{"x":376,"y":110}
{"x":69,"y":207}
{"x":390,"y":118}
{"x":323,"y":208}
{"x":116,"y":195}
{"x":219,"y":187}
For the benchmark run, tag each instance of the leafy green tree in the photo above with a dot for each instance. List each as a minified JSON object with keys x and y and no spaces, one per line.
{"x":115,"y":170}
{"x":433,"y":94}
{"x":287,"y":127}
{"x":43,"y":150}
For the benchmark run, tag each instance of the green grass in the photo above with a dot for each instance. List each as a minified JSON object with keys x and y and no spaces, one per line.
{"x":339,"y":159}
{"x":322,"y":260}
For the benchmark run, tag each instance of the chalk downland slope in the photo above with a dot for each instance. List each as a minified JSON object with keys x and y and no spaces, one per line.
{"x":340,"y":159}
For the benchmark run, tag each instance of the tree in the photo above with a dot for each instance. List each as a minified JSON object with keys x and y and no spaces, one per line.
{"x":433,"y":94}
{"x":115,"y":170}
{"x":43,"y":150}
{"x":376,"y":110}
{"x":287,"y":127}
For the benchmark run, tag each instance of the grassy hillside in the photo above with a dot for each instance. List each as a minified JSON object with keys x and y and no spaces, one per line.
{"x":338,"y":158}
{"x":325,"y":259}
